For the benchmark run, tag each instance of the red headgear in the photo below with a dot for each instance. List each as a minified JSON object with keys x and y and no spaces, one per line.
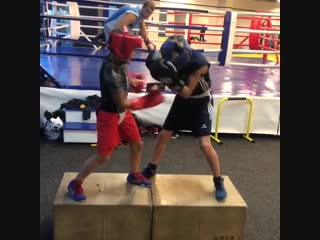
{"x":124,"y":43}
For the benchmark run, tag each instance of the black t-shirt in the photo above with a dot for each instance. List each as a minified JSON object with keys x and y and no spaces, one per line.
{"x":113,"y":79}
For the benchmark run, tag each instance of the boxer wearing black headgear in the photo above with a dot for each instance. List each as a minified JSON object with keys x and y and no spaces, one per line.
{"x":167,"y":65}
{"x":192,"y":109}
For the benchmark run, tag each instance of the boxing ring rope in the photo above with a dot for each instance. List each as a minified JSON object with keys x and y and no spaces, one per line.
{"x":225,"y":51}
{"x":121,"y":4}
{"x":148,"y":23}
{"x":97,"y":20}
{"x":198,"y":10}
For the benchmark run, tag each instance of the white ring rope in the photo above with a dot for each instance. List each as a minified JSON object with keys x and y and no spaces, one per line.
{"x":99,"y":18}
{"x":198,"y":10}
{"x":150,"y":23}
{"x":258,"y":14}
{"x":257,"y":31}
{"x":89,"y":26}
{"x":213,"y":50}
{"x":255,"y":51}
{"x":57,"y":27}
{"x":56,"y":4}
{"x":99,"y":8}
{"x":82,"y":6}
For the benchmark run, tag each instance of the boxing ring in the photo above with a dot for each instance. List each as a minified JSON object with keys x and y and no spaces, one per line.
{"x":242,"y":47}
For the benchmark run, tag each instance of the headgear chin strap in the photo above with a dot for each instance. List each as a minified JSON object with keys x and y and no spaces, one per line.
{"x":123,"y":44}
{"x":176,"y":50}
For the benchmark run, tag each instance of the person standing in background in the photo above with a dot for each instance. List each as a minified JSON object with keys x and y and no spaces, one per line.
{"x":130,"y":16}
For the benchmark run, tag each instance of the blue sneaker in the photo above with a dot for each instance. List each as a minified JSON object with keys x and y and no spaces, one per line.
{"x":220,"y":192}
{"x":75,"y":191}
{"x":149,"y":171}
{"x":138,"y":179}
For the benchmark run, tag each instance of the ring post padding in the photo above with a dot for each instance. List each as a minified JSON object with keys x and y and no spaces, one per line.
{"x":254,"y":37}
{"x":225,"y":39}
{"x":74,"y":25}
{"x":246,"y":136}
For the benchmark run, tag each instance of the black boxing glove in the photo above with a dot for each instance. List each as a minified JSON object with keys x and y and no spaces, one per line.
{"x":165,"y":72}
{"x":152,"y":57}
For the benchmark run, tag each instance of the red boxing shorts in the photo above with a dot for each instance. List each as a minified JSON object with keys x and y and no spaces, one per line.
{"x":111,"y":133}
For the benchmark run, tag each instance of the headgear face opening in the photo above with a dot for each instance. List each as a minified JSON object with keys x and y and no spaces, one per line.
{"x":176,"y":50}
{"x":123,"y":44}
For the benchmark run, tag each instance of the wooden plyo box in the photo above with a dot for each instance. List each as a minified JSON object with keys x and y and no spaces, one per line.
{"x":176,"y":207}
{"x":114,"y":210}
{"x":184,"y":207}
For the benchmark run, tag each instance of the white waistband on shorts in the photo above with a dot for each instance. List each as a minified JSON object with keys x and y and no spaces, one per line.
{"x":121,"y":115}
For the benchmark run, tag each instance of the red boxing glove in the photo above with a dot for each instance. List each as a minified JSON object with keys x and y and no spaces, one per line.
{"x":140,"y":84}
{"x":150,"y":45}
{"x":140,"y":81}
{"x":149,"y":100}
{"x":137,"y":75}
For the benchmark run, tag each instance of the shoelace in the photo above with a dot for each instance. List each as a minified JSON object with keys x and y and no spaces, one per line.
{"x":77,"y":188}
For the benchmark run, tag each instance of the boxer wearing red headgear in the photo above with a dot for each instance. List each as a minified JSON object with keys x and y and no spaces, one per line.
{"x":123,"y":44}
{"x":115,"y":122}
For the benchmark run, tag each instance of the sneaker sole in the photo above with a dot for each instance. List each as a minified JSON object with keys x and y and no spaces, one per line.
{"x":220,"y":198}
{"x":71,"y":196}
{"x":139,"y":184}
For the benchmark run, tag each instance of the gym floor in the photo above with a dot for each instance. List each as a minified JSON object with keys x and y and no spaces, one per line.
{"x":254,"y":169}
